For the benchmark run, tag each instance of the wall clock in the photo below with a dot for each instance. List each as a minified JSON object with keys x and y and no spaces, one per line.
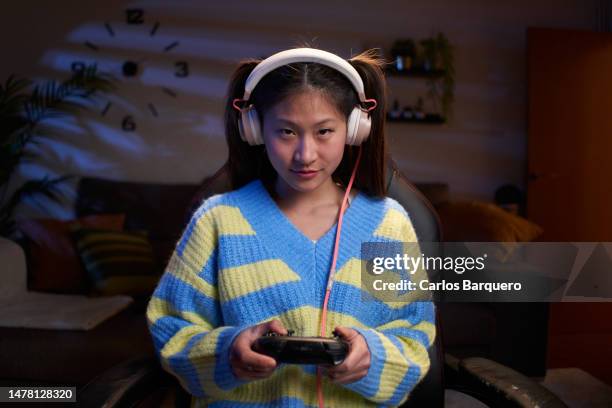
{"x":128,"y":66}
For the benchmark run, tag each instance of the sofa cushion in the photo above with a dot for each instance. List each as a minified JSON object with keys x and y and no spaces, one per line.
{"x":53,"y":264}
{"x":117,"y":262}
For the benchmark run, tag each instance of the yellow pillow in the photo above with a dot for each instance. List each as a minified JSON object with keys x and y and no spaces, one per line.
{"x":117,"y":262}
{"x":478,"y":221}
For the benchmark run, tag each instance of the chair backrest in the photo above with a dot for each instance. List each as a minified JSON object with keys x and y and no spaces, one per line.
{"x":422,"y":213}
{"x":430,"y":391}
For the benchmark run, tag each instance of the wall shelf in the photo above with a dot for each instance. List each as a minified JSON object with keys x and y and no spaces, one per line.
{"x":430,"y":119}
{"x":417,"y":73}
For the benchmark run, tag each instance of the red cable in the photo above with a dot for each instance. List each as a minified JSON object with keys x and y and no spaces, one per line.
{"x":332,"y":271}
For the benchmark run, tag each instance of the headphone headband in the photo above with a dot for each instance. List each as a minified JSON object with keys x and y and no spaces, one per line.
{"x":358,"y":121}
{"x":304,"y":55}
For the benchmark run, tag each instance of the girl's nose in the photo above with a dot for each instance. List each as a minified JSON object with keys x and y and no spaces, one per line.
{"x":306,"y":150}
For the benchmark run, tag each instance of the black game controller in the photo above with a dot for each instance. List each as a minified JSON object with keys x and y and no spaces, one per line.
{"x":302,"y":350}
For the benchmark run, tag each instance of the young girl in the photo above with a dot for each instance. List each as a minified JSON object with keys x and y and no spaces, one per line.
{"x":282,"y":250}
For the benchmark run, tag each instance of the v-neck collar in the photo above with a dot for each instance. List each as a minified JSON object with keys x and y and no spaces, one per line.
{"x":279,"y":217}
{"x":285,"y":241}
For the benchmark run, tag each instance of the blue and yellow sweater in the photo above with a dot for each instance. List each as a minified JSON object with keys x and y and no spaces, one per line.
{"x":241,"y":262}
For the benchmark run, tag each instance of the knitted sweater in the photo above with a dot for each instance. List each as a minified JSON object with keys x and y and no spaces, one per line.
{"x":241,"y":262}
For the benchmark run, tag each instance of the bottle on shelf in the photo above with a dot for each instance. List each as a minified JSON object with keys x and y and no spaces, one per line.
{"x":395,"y":112}
{"x":407,"y":113}
{"x":419,"y":113}
{"x":403,"y":53}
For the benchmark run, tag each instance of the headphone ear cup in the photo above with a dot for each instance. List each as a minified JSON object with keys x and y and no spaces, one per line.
{"x":250,"y":128}
{"x":358,"y":127}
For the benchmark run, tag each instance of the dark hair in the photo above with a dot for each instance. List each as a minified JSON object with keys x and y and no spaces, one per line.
{"x":246,"y":163}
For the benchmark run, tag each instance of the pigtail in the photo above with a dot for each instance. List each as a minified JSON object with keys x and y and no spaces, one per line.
{"x":371,"y":175}
{"x":244,"y":161}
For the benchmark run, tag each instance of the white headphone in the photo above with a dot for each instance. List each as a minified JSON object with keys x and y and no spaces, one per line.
{"x":359,"y":122}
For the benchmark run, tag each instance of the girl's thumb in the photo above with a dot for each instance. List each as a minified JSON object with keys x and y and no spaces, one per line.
{"x":343,"y":332}
{"x":275,"y":326}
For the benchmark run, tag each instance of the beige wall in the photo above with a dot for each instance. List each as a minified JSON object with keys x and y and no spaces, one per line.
{"x":480,"y":149}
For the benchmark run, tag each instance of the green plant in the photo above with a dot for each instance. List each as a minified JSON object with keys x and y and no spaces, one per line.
{"x":438,"y":54}
{"x":24,"y":106}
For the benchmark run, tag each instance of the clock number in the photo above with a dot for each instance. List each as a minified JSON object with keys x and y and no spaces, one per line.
{"x":77,"y":67}
{"x":128,"y":124}
{"x":134,"y":16}
{"x":182,"y":69}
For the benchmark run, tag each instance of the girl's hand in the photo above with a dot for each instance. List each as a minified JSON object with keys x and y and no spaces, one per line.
{"x":357,"y":362}
{"x":246,"y":363}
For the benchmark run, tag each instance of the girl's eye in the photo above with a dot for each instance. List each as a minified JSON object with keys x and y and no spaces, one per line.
{"x":285,"y":132}
{"x":326,"y":132}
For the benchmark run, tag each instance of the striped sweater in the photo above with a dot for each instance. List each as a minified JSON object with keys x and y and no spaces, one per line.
{"x":241,"y":262}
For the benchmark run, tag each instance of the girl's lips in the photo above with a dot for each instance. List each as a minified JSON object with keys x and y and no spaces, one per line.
{"x":306,"y":174}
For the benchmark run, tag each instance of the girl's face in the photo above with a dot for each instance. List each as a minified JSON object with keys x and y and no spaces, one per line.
{"x":305,"y":136}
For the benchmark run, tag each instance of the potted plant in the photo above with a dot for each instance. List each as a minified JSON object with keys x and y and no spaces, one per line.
{"x":437,"y":55}
{"x":24,"y":106}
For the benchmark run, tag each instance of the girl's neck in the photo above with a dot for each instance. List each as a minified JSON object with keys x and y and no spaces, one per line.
{"x":327,"y":192}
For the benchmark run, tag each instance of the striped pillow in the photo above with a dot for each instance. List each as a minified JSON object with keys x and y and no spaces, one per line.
{"x":117,"y":262}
